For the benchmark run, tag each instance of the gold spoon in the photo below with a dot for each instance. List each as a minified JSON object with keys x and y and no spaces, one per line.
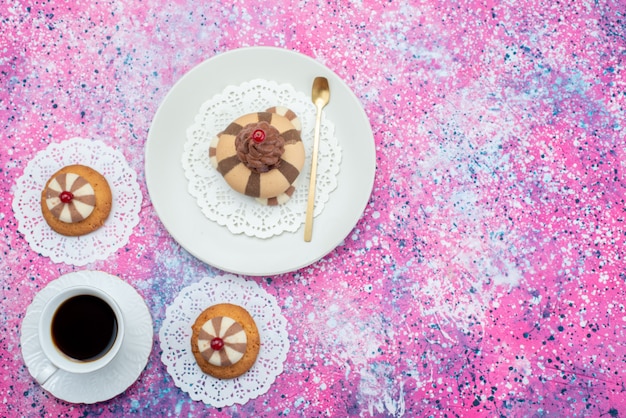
{"x":320,"y":95}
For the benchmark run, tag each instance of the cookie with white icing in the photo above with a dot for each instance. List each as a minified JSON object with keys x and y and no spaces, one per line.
{"x":261,"y":154}
{"x":225,"y":341}
{"x":76,"y":200}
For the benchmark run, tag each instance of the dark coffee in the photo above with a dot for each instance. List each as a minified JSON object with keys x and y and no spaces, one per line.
{"x":84,"y":327}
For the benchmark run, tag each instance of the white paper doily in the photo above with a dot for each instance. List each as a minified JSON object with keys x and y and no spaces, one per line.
{"x":240,"y":213}
{"x":97,"y":245}
{"x":175,"y":338}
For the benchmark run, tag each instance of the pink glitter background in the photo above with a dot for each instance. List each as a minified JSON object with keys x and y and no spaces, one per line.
{"x":487,"y":275}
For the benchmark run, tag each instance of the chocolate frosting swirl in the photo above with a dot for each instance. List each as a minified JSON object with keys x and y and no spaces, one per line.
{"x":260,"y":157}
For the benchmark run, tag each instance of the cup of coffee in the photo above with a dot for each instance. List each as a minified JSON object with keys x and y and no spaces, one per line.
{"x":81,"y":330}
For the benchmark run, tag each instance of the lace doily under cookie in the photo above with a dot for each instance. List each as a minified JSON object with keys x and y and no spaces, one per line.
{"x":175,"y":337}
{"x":99,"y":244}
{"x":240,"y":213}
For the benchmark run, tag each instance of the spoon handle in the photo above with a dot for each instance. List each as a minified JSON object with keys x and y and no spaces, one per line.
{"x":308,"y":223}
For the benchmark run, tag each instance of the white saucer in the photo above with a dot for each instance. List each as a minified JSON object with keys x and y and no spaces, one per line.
{"x":123,"y":371}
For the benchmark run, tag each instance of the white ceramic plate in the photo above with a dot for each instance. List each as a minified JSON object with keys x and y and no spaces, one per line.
{"x":123,"y":370}
{"x":213,"y":243}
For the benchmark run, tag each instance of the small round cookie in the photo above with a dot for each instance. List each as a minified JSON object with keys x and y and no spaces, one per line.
{"x":76,"y":200}
{"x":261,"y":154}
{"x":225,"y":341}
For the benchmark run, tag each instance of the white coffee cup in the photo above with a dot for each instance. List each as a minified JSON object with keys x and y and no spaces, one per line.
{"x":58,"y":312}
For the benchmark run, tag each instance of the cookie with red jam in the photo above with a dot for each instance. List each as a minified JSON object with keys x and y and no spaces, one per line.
{"x":261,"y":154}
{"x":225,"y":341}
{"x":76,"y":200}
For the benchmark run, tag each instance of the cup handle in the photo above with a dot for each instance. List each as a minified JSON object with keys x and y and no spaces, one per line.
{"x":46,"y":373}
